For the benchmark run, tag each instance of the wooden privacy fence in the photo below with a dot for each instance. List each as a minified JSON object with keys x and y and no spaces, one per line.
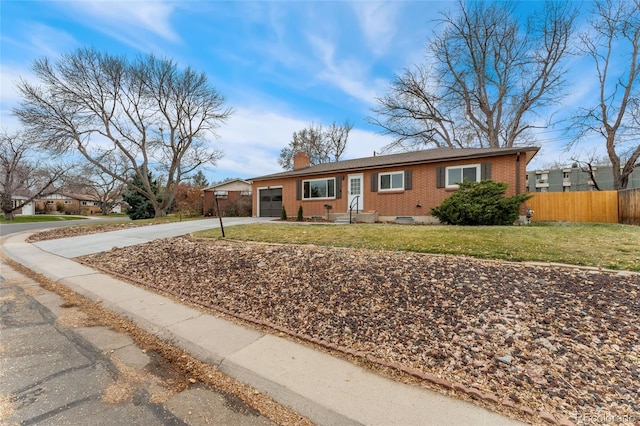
{"x":582,"y":206}
{"x":629,"y":206}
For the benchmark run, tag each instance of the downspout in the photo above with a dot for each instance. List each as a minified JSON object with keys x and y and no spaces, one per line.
{"x":518,"y":173}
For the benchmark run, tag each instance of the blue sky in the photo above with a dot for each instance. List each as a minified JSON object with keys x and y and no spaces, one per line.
{"x":281,"y":65}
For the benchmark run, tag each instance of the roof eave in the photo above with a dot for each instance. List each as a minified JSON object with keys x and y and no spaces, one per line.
{"x":305,"y":172}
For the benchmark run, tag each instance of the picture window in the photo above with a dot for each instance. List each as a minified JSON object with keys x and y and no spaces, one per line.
{"x":319,"y":188}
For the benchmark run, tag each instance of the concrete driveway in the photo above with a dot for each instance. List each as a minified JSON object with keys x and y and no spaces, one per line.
{"x":95,"y":243}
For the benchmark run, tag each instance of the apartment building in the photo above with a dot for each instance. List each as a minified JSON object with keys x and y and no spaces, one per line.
{"x":575,"y":179}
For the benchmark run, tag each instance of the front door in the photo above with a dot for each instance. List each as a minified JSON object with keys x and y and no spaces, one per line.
{"x":355,"y":191}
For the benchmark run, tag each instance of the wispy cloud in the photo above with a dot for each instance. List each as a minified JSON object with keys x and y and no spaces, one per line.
{"x":377,"y":21}
{"x":252,"y":140}
{"x":41,"y":40}
{"x":9,"y":95}
{"x":363,"y":143}
{"x":131,"y":22}
{"x":349,"y":75}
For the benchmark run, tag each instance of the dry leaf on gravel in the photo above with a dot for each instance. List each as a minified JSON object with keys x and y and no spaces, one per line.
{"x":563,"y":341}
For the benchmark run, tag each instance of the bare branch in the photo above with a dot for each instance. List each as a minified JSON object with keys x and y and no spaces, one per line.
{"x":488,"y":78}
{"x":614,"y":35}
{"x":322,"y":145}
{"x":149,"y":111}
{"x":20,"y":175}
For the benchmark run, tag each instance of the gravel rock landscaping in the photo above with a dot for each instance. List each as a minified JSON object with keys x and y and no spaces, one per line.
{"x":74,"y":231}
{"x":547,"y":344}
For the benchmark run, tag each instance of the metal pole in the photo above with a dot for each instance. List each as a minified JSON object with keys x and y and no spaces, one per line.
{"x":219,"y":216}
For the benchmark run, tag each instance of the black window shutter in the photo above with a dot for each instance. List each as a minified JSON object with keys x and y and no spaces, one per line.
{"x":485,"y":171}
{"x":440,"y":171}
{"x":374,"y":182}
{"x":298,"y":189}
{"x":339,"y":187}
{"x":407,"y":179}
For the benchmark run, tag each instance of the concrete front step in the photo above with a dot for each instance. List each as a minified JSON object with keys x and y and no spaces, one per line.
{"x":343,"y":220}
{"x":405,"y":219}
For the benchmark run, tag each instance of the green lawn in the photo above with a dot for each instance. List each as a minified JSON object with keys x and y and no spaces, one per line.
{"x":40,"y":218}
{"x":602,"y":245}
{"x":124,"y":217}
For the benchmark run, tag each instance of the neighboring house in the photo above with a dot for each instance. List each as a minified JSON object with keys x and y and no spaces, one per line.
{"x":119,"y":207}
{"x":26,"y":210}
{"x":383,"y":188}
{"x":572,"y":179}
{"x":61,"y":202}
{"x":234,"y":198}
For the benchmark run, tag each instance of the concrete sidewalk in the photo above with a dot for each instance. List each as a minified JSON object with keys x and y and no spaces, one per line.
{"x":328,"y":390}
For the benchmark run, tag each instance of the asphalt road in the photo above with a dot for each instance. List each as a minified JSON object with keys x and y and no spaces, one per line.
{"x":13,"y":228}
{"x":55,"y":369}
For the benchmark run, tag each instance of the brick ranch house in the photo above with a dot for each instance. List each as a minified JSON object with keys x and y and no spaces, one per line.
{"x":82,"y":204}
{"x":386,"y":188}
{"x":233,"y":196}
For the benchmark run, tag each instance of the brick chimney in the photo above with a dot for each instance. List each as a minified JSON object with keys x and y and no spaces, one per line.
{"x":301,"y":160}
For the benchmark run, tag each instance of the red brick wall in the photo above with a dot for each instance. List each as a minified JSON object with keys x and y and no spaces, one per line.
{"x":289,"y":202}
{"x":208,"y":201}
{"x":396,"y":203}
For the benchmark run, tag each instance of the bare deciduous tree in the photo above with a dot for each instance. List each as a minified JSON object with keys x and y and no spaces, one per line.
{"x":106,"y":189}
{"x":157,"y":115}
{"x":21,"y":175}
{"x":336,"y":137}
{"x":588,"y":164}
{"x":613,"y":43}
{"x":486,"y":77}
{"x":323,"y":145}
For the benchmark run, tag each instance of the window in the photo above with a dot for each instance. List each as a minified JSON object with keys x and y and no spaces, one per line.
{"x":319,"y":188}
{"x":542,"y":177}
{"x":67,"y":201}
{"x":89,"y":203}
{"x":458,"y":174}
{"x":391,"y":181}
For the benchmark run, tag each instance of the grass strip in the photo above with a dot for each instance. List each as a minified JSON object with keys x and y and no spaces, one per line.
{"x":609,"y":246}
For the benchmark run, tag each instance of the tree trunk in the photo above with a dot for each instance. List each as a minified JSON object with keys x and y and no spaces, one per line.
{"x":7,"y":206}
{"x":159,"y":212}
{"x":621,"y":182}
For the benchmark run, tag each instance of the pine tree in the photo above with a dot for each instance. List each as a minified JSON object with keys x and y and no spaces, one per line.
{"x":139,"y":206}
{"x":200,"y":180}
